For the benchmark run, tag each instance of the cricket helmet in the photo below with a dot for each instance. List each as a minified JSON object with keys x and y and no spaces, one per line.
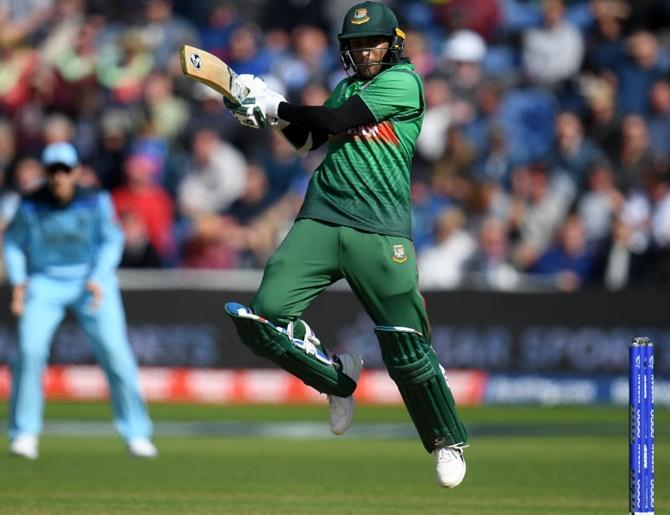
{"x":370,"y":19}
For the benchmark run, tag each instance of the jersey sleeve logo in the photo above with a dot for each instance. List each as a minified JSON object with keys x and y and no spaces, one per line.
{"x":399,"y":255}
{"x":360,"y":17}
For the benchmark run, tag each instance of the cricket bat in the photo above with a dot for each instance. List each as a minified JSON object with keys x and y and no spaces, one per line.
{"x":211,"y":71}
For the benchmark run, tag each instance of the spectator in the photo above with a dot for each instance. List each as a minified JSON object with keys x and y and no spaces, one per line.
{"x":488,"y":199}
{"x":605,"y":44}
{"x":310,"y":60}
{"x":20,"y":22}
{"x":634,"y":154}
{"x":288,"y":14}
{"x":496,"y":163}
{"x":207,"y":111}
{"x":603,"y":124}
{"x":266,"y":231}
{"x":281,"y":164}
{"x":486,"y":117}
{"x":539,"y":205}
{"x":552,"y":53}
{"x":222,"y":19}
{"x":215,"y":178}
{"x":659,"y":122}
{"x":462,"y":59}
{"x":246,"y":53}
{"x":490,"y":266}
{"x":426,"y":204}
{"x":572,"y":152}
{"x":9,"y":202}
{"x":165,"y":33}
{"x":7,"y":146}
{"x":452,"y":173}
{"x":647,"y":214}
{"x":138,"y":252}
{"x":418,"y":51}
{"x":439,"y":116}
{"x":623,"y":261}
{"x":527,"y":117}
{"x":66,"y":23}
{"x":636,"y":74}
{"x":29,"y":176}
{"x":113,"y":145}
{"x":481,"y":16}
{"x":255,"y":198}
{"x":19,"y":65}
{"x":124,"y":65}
{"x":75,"y":67}
{"x":442,"y":265}
{"x":569,"y":263}
{"x":57,"y":128}
{"x":214,"y":243}
{"x":149,"y":202}
{"x":168,"y":112}
{"x":600,"y":205}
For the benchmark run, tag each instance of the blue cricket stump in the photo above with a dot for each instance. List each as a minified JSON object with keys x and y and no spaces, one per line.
{"x":641,"y":427}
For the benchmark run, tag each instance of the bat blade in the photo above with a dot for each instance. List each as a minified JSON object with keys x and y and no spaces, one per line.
{"x":211,"y":71}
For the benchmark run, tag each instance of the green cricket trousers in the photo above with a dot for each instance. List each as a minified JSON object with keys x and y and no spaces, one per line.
{"x":380,"y":269}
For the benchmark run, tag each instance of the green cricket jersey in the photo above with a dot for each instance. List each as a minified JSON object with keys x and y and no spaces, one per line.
{"x":364,"y":181}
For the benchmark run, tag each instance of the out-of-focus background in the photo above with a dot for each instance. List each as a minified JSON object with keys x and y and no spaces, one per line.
{"x":543,"y":160}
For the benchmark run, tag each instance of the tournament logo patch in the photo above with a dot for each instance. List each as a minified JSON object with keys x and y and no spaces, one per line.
{"x":360,"y":16}
{"x":399,"y":255}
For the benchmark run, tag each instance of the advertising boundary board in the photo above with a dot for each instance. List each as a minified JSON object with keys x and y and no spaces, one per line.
{"x":583,"y":333}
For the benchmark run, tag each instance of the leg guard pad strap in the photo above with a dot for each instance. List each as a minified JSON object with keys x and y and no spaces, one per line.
{"x":311,"y":364}
{"x":413,"y":366}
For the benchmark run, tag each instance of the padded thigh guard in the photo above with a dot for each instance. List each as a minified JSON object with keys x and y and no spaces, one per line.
{"x":310,"y":363}
{"x":413,"y":365}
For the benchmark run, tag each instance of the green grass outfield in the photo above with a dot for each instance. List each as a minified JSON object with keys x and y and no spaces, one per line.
{"x":560,"y":460}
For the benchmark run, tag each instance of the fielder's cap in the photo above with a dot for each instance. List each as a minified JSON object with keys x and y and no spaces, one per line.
{"x":368,"y":19}
{"x":465,"y":46}
{"x":60,"y":153}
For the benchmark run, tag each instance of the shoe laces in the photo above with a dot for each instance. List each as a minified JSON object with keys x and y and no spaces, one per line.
{"x":450,"y":453}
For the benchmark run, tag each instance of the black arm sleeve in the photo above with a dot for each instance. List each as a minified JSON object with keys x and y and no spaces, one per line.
{"x":298,"y":135}
{"x":352,"y":113}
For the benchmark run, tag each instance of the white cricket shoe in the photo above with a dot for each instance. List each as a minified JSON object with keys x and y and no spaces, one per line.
{"x":449,"y":466}
{"x":342,"y":408}
{"x":142,"y":448}
{"x":24,"y":446}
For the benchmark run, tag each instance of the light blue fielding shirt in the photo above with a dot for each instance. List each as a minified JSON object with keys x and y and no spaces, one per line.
{"x":78,"y":240}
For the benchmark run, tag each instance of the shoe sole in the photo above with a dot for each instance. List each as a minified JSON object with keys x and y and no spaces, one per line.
{"x":354,"y":365}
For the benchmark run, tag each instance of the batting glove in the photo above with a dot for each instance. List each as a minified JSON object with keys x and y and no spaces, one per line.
{"x":268,"y":99}
{"x":247,"y":113}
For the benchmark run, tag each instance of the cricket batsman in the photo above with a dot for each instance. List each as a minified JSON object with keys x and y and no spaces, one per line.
{"x":355,"y":224}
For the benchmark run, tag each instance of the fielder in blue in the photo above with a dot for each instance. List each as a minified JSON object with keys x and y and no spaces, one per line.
{"x":61,"y":252}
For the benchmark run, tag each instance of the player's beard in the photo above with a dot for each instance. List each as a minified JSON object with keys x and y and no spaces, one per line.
{"x":367,"y":68}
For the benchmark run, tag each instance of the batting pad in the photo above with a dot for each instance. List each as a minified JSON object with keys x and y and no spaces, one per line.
{"x":310,"y":363}
{"x":412,"y":364}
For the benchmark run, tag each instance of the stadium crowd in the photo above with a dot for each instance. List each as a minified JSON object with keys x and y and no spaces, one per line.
{"x":543,"y":159}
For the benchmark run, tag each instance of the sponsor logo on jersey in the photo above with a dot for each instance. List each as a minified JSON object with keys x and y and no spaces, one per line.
{"x":399,"y":255}
{"x":360,"y":17}
{"x":376,"y":131}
